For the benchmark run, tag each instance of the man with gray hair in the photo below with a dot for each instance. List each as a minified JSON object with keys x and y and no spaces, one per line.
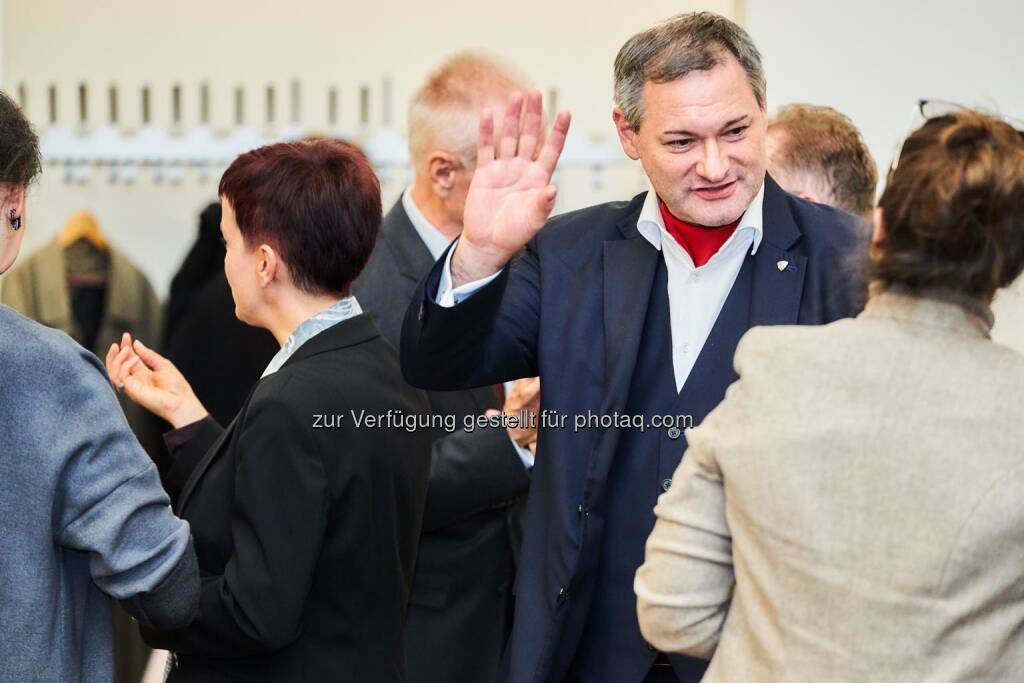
{"x":460,"y":609}
{"x":818,"y":154}
{"x":630,"y":312}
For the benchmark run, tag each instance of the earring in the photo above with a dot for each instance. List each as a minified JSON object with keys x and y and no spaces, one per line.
{"x":14,"y":219}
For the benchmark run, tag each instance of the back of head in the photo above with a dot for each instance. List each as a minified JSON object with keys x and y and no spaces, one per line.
{"x":316,"y":202}
{"x":674,"y":48}
{"x":19,"y":145}
{"x":818,"y":147}
{"x":953,"y":209}
{"x":444,"y":111}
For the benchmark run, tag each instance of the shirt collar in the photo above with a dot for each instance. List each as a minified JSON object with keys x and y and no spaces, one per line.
{"x":435,"y":241}
{"x":343,"y":309}
{"x":652,"y":227}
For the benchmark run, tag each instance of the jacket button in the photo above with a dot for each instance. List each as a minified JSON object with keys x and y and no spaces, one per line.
{"x":563,"y":594}
{"x":582,"y":512}
{"x":666,"y":484}
{"x":674,"y":433}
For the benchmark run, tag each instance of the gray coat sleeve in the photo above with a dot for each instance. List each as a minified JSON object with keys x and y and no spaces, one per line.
{"x":111,"y":504}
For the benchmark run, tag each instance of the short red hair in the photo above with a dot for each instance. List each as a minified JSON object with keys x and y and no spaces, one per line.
{"x":316,"y":202}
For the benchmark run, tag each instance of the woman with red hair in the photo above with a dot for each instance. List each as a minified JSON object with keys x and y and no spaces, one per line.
{"x":305,"y":525}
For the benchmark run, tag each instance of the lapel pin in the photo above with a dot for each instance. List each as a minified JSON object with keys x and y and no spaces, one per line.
{"x":782,"y":265}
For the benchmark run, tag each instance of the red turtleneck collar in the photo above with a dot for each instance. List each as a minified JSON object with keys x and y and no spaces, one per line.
{"x":699,"y":241}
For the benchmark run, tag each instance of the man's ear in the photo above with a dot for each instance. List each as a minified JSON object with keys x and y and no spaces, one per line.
{"x":627,"y":136}
{"x":268,"y":265}
{"x":441,"y":169}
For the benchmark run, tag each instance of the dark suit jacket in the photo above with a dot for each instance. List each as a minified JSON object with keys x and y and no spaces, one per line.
{"x":460,"y":611}
{"x":572,"y":309}
{"x":306,"y":536}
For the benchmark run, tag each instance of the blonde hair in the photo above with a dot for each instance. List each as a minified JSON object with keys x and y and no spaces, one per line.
{"x":825,"y":144}
{"x":444,"y":112}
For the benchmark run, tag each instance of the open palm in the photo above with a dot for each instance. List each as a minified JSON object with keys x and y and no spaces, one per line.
{"x":153,"y":382}
{"x":511,"y":195}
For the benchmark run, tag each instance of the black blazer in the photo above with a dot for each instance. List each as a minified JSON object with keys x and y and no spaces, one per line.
{"x":305,"y":526}
{"x":460,"y":611}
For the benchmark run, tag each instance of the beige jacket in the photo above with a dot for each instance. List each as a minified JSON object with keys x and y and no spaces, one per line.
{"x":37,"y":288}
{"x":854,"y":509}
{"x":1008,"y":309}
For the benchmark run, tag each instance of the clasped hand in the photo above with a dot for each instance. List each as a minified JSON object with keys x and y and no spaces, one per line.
{"x":523,"y":398}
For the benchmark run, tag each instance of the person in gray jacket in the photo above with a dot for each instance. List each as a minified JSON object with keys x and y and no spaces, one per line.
{"x":83,"y":515}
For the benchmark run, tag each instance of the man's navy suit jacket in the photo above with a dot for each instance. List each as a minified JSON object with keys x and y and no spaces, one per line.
{"x":571,"y":309}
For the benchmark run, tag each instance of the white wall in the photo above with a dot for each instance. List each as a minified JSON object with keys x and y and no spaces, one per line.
{"x":870,"y":60}
{"x":873,"y":59}
{"x":567,"y":46}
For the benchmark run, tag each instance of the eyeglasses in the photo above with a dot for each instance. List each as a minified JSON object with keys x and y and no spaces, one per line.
{"x":927,"y":110}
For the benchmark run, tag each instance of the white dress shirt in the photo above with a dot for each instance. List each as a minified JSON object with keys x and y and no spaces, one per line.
{"x":436,"y":243}
{"x":695,"y":295}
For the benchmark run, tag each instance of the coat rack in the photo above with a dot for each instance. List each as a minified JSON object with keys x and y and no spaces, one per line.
{"x":117,"y":153}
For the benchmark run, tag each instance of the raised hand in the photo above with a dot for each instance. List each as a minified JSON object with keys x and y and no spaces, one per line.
{"x":153,"y":382}
{"x":511,"y":195}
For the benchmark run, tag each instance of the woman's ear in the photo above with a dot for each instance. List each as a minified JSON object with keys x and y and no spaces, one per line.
{"x":268,"y":265}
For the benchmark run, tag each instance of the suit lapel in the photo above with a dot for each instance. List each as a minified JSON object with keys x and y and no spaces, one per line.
{"x":778,"y":272}
{"x":772,"y":281}
{"x":208,"y":459}
{"x":349,"y":332}
{"x":411,"y":254}
{"x":777,"y":292}
{"x":630,"y":266}
{"x":713,"y":372}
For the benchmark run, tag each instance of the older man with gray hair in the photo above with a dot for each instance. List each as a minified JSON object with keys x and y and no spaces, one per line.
{"x":460,"y":610}
{"x":630,"y":312}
